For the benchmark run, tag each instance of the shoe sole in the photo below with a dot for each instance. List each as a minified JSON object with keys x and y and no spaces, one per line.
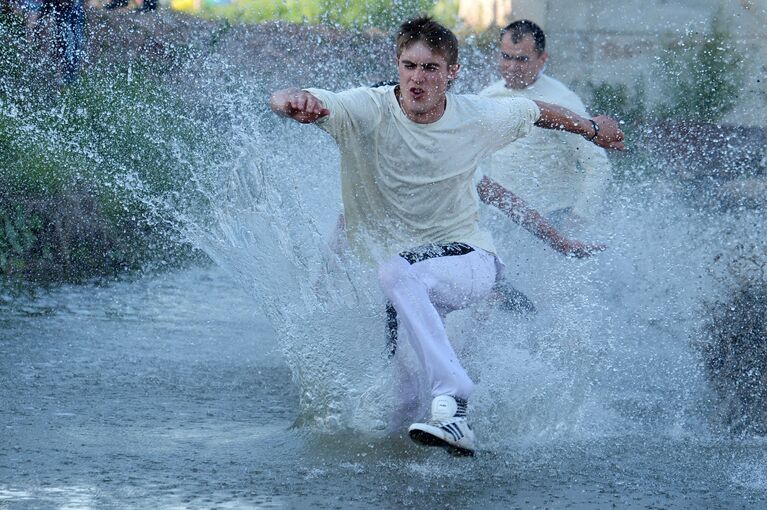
{"x":426,"y":439}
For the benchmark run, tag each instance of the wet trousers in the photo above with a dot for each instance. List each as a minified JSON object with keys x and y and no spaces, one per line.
{"x":424,"y":285}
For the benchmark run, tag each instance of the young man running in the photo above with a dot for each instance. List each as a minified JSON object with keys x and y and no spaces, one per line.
{"x":408,"y":157}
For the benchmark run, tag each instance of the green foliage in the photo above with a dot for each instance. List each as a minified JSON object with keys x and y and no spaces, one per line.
{"x":700,"y":80}
{"x":18,"y":233}
{"x":616,"y":100}
{"x":702,"y":76}
{"x":446,"y":12}
{"x":258,"y":11}
{"x":86,"y":169}
{"x":629,"y":107}
{"x":382,"y":14}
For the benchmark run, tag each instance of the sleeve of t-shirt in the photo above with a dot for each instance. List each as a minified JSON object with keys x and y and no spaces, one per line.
{"x":510,"y":118}
{"x":353,"y":110}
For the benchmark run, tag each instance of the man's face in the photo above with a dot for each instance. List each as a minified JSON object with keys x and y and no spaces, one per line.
{"x":423,"y":79}
{"x":519,"y":62}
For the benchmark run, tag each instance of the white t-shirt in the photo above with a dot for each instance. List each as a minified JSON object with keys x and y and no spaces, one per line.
{"x":550,"y":169}
{"x":406,"y":184}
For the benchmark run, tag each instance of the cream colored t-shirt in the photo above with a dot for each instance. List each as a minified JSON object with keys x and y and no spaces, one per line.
{"x":550,"y":169}
{"x":406,"y":184}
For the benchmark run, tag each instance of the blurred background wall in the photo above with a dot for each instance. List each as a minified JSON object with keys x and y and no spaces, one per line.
{"x":620,"y":41}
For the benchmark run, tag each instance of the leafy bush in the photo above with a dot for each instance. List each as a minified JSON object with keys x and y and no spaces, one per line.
{"x":700,"y":80}
{"x":703,"y":76}
{"x":617,"y":101}
{"x":383,"y":14}
{"x":85,"y":170}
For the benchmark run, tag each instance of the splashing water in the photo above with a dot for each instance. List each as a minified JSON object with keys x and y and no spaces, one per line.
{"x":271,"y":228}
{"x":611,"y":349}
{"x":609,"y":352}
{"x":603,"y":387}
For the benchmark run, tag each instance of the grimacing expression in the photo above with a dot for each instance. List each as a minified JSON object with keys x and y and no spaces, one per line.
{"x":424,"y":76}
{"x":520,"y":63}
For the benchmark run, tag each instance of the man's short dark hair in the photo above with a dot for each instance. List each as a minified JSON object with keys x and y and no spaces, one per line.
{"x":518,"y":29}
{"x":438,"y":38}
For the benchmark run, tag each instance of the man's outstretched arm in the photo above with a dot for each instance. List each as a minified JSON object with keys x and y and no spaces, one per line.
{"x":600,"y":130}
{"x":298,"y":104}
{"x":492,"y":193}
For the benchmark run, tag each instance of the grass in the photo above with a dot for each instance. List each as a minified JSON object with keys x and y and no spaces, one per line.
{"x":84,"y":168}
{"x":380,"y":14}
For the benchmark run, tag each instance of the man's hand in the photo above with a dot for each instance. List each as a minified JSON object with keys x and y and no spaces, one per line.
{"x":607,"y":134}
{"x":610,"y":135}
{"x":578,"y":249}
{"x":299,"y":105}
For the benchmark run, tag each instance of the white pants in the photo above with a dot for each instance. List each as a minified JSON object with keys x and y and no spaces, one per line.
{"x":423,"y":293}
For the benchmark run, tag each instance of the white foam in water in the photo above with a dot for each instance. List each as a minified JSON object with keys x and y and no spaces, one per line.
{"x":609,"y":351}
{"x":752,"y":475}
{"x":271,"y":229}
{"x":610,"y":333}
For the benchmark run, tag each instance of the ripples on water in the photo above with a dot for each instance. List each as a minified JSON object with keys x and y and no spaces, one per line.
{"x":603,"y":387}
{"x":172,"y":391}
{"x":175,"y":391}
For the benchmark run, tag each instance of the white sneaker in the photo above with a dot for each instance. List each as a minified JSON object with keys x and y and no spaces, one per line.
{"x":447,"y":428}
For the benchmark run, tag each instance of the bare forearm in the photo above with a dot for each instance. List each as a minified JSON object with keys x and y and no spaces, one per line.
{"x":492,"y":193}
{"x":600,"y":130}
{"x":518,"y":211}
{"x":562,"y":119}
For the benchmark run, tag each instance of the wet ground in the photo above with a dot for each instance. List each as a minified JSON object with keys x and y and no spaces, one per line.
{"x":171,"y":392}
